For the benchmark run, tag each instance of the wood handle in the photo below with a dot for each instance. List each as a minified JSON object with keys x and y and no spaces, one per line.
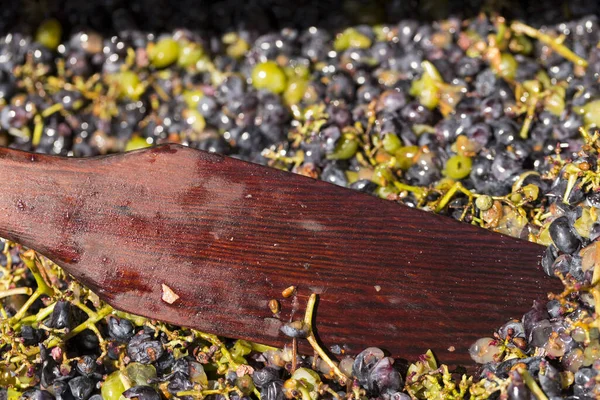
{"x":37,"y":198}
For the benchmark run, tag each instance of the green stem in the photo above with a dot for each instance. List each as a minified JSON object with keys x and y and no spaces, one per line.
{"x":15,"y":291}
{"x":519,"y":27}
{"x":532,"y":384}
{"x":40,"y":316}
{"x":308,"y":317}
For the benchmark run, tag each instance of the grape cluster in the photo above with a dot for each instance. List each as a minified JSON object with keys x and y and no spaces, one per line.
{"x":488,"y":120}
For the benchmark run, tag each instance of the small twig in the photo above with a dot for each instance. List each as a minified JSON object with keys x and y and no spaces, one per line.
{"x":315,"y":345}
{"x":519,"y":27}
{"x":15,"y":291}
{"x":532,"y":384}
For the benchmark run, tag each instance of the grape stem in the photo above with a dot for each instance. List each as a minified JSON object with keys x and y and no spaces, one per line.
{"x":532,"y":384}
{"x":308,"y":317}
{"x":519,"y":27}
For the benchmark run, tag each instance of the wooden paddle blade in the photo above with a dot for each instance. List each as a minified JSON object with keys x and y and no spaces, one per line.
{"x":228,"y":236}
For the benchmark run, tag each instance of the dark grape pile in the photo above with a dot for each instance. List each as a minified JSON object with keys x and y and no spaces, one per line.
{"x":489,"y":120}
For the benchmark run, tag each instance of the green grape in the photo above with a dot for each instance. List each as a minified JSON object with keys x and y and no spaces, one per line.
{"x":351,"y":38}
{"x":591,"y":113}
{"x":136,"y":143}
{"x":310,"y":379}
{"x":139,"y":374}
{"x":458,"y":167}
{"x":13,"y":394}
{"x":507,"y":67}
{"x":382,"y":175}
{"x":269,"y":76}
{"x":384,"y":192}
{"x":129,"y":85}
{"x":195,"y":120}
{"x":555,"y":101}
{"x":484,"y":202}
{"x":49,"y":34}
{"x":405,"y":156}
{"x":245,"y":384}
{"x":237,"y":47}
{"x":427,"y":87}
{"x":295,"y":91}
{"x":114,"y":386}
{"x":346,"y":148}
{"x":241,"y":348}
{"x":192,"y":97}
{"x":163,"y":53}
{"x":391,"y":143}
{"x":189,"y":54}
{"x":197,"y":373}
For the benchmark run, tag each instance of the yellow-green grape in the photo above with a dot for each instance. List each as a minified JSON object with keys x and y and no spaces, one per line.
{"x":13,"y":394}
{"x":241,"y":348}
{"x":521,"y":44}
{"x":484,"y":202}
{"x":385,"y":192}
{"x":346,"y":148}
{"x":49,"y":34}
{"x":197,"y":373}
{"x":192,"y":97}
{"x":295,"y":91}
{"x":591,"y":113}
{"x":427,"y":87}
{"x":136,"y":143}
{"x":129,"y":85}
{"x":555,"y":101}
{"x":310,"y":380}
{"x":405,"y":156}
{"x":458,"y":167}
{"x":140,"y":374}
{"x":163,"y":53}
{"x":270,"y":76}
{"x":189,"y":54}
{"x":507,"y":68}
{"x":195,"y":120}
{"x":382,"y":175}
{"x":351,"y":38}
{"x":236,"y":46}
{"x":531,"y":191}
{"x":245,"y":384}
{"x":391,"y":143}
{"x":114,"y":386}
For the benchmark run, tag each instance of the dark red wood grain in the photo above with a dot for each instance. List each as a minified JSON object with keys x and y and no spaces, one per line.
{"x":228,"y":236}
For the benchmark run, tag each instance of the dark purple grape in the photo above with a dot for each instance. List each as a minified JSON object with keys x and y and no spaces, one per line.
{"x":272,"y":391}
{"x":415,"y":113}
{"x":334,"y":174}
{"x":141,"y":348}
{"x":120,"y":328}
{"x":485,"y":83}
{"x":383,"y":377}
{"x":30,"y":335}
{"x":504,"y":166}
{"x":178,"y":382}
{"x":563,"y":236}
{"x":81,"y":387}
{"x":142,"y":393}
{"x":87,"y":365}
{"x":517,"y":390}
{"x":364,"y":363}
{"x":364,"y":185}
{"x":61,"y":316}
{"x":264,"y":376}
{"x":36,"y":394}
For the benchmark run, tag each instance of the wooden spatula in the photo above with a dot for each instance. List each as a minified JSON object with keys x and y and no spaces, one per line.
{"x":228,"y":236}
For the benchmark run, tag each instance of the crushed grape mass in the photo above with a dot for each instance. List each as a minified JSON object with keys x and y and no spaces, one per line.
{"x":490,"y":117}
